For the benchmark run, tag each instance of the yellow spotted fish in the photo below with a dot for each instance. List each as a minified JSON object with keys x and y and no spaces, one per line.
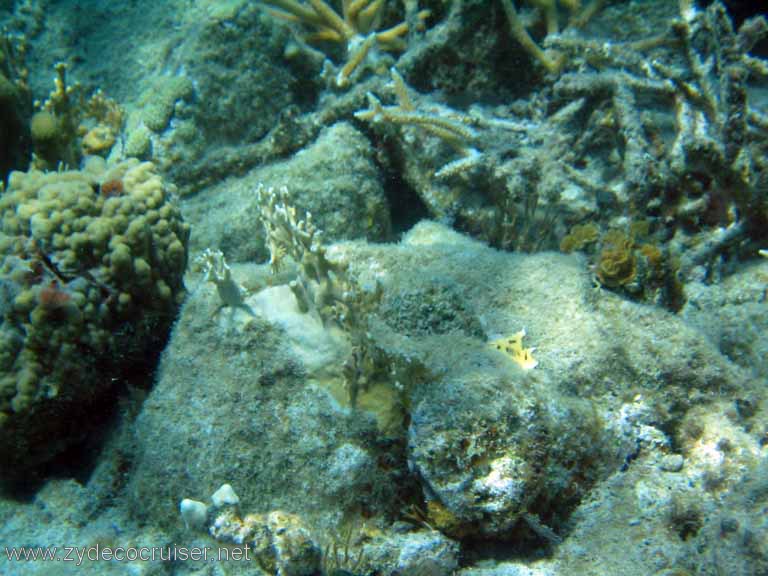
{"x":512,"y":346}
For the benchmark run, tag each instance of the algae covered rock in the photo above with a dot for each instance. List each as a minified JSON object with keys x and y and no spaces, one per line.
{"x":490,"y":460}
{"x":91,"y":277}
{"x":506,"y":452}
{"x":256,"y":397}
{"x":279,"y":542}
{"x":336,"y":179}
{"x":732,"y":315}
{"x":444,"y":428}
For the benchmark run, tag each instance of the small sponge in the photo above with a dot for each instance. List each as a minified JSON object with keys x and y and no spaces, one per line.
{"x":44,"y":126}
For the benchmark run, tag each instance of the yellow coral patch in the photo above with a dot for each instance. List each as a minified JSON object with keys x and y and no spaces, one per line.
{"x":98,"y":140}
{"x":512,"y":346}
{"x":617,"y":264}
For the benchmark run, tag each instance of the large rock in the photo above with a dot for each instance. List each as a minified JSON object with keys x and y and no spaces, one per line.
{"x":494,"y":447}
{"x":335,"y":179}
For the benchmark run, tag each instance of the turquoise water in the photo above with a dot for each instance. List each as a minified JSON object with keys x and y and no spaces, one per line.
{"x":373,"y":287}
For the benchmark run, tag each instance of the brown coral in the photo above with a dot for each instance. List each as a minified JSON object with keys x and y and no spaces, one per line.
{"x":617,"y":264}
{"x":579,"y":236}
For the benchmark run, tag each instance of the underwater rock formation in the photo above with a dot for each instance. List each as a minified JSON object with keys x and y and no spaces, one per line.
{"x":337,"y":181}
{"x":462,"y":400}
{"x":491,"y":448}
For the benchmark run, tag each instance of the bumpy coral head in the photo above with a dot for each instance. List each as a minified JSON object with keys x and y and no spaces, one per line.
{"x":44,"y":126}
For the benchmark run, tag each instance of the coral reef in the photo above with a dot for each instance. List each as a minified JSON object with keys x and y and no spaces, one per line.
{"x":69,"y":124}
{"x":708,"y":167}
{"x":91,"y":278}
{"x":356,"y":28}
{"x":494,"y":451}
{"x":532,"y":171}
{"x":479,"y":286}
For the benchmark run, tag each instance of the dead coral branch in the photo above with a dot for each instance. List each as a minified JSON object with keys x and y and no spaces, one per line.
{"x":448,"y":126}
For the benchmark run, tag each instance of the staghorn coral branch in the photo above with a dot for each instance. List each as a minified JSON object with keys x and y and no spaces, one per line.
{"x":553,"y":63}
{"x":355,"y":28}
{"x":331,"y":19}
{"x":295,"y":12}
{"x":368,"y":17}
{"x":456,"y":134}
{"x":454,"y":130}
{"x":354,"y":60}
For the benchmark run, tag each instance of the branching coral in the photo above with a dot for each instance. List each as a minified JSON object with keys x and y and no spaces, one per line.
{"x":356,"y":28}
{"x":551,"y":60}
{"x":321,"y":285}
{"x":215,"y":269}
{"x":528,"y":181}
{"x":452,"y":128}
{"x":69,"y":124}
{"x":709,"y":168}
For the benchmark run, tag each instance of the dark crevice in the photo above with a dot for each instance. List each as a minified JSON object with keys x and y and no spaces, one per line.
{"x":406,"y":208}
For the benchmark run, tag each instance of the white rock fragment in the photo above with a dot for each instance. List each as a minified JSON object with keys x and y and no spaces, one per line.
{"x":194,"y":513}
{"x":225,"y":496}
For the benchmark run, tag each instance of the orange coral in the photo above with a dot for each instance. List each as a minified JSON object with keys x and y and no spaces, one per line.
{"x":52,"y":298}
{"x":112,"y":188}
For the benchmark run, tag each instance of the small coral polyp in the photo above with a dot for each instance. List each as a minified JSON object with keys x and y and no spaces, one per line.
{"x":84,"y":274}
